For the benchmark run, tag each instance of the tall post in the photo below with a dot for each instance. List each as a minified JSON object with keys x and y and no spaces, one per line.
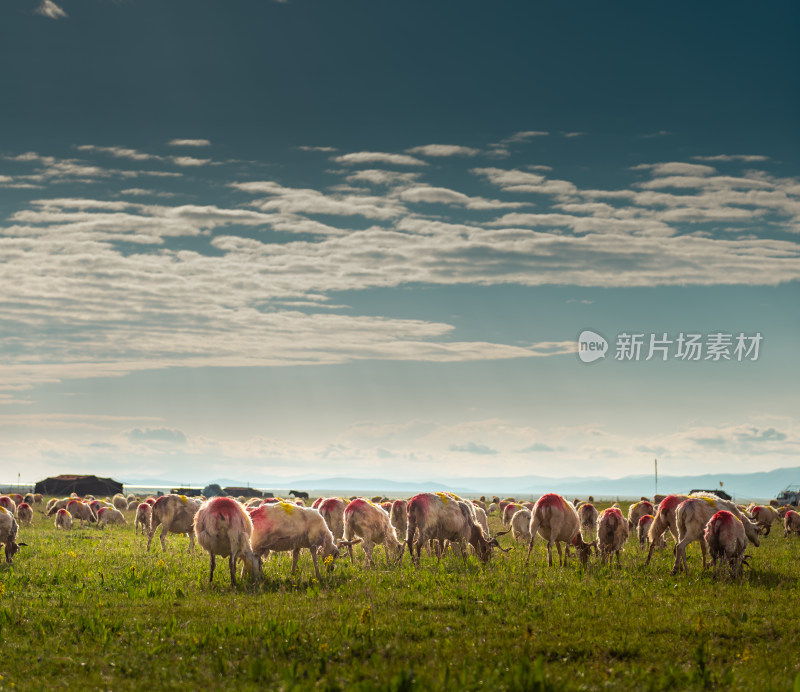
{"x":655,"y":462}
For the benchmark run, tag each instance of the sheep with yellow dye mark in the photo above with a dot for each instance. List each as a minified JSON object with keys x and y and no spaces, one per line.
{"x":556,"y":520}
{"x":175,"y":514}
{"x":107,"y":515}
{"x":63,"y":519}
{"x":281,"y":527}
{"x":369,"y":522}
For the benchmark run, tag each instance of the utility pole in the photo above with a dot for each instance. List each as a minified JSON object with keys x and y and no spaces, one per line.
{"x":655,"y":462}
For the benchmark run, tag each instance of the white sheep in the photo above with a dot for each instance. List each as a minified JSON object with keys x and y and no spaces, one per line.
{"x":175,"y":514}
{"x":663,"y":520}
{"x":25,"y":513}
{"x":63,"y":519}
{"x":8,"y":534}
{"x":521,"y":526}
{"x":107,"y":515}
{"x":398,"y":517}
{"x":791,"y":523}
{"x":764,"y":516}
{"x":332,"y":511}
{"x":370,"y":523}
{"x":143,"y":513}
{"x":725,"y":535}
{"x":612,"y":532}
{"x":443,"y":517}
{"x":81,"y":511}
{"x":587,"y":513}
{"x":636,"y":511}
{"x":556,"y":520}
{"x":285,"y":526}
{"x":691,"y":517}
{"x":223,"y":528}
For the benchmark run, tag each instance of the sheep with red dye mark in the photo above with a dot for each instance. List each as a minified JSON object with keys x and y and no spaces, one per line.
{"x":791,"y":523}
{"x":175,"y":514}
{"x":283,"y":526}
{"x":764,"y":516}
{"x":556,"y":520}
{"x":726,"y":539}
{"x":25,"y":513}
{"x":664,"y":519}
{"x":109,"y":515}
{"x":521,"y":526}
{"x":398,"y":517}
{"x":63,"y":519}
{"x":317,"y":503}
{"x":8,"y":504}
{"x":691,"y":517}
{"x":643,"y":532}
{"x":223,"y":528}
{"x":54,"y":505}
{"x":332,"y":511}
{"x":17,"y":497}
{"x":8,"y":534}
{"x":612,"y":532}
{"x":143,"y":513}
{"x":81,"y":511}
{"x":370,"y":523}
{"x":509,"y":511}
{"x":441,"y":517}
{"x":587,"y":513}
{"x":636,"y":511}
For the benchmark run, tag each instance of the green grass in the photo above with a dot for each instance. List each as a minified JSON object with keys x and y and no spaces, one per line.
{"x":89,"y":607}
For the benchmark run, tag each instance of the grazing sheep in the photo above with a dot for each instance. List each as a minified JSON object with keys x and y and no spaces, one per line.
{"x":29,"y":498}
{"x":223,"y":528}
{"x":556,"y":520}
{"x":119,"y":502}
{"x":108,"y":515}
{"x":370,"y":523}
{"x":441,"y":517}
{"x":25,"y":513}
{"x":521,"y":526}
{"x":638,"y":510}
{"x":587,"y":513}
{"x":54,"y":505}
{"x":509,"y":511}
{"x":38,"y":498}
{"x":8,"y":534}
{"x":175,"y":514}
{"x":692,"y":516}
{"x":332,"y":511}
{"x":764,"y":516}
{"x":8,"y":504}
{"x":81,"y":511}
{"x":63,"y":519}
{"x":483,"y":520}
{"x":494,"y":508}
{"x":143,"y":514}
{"x":726,"y":539}
{"x":643,"y":532}
{"x":398,"y":517}
{"x":612,"y":532}
{"x":664,"y":519}
{"x":791,"y":523}
{"x":283,"y":526}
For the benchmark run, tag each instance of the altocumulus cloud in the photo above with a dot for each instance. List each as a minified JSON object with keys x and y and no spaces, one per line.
{"x":159,"y":435}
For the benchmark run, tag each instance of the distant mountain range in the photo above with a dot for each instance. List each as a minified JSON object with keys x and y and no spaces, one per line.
{"x":758,"y":485}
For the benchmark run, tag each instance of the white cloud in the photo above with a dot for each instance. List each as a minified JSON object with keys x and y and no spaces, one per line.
{"x":323,"y":149}
{"x":379,"y":157}
{"x":749,"y":158}
{"x":47,"y":8}
{"x":189,"y":143}
{"x":444,"y":150}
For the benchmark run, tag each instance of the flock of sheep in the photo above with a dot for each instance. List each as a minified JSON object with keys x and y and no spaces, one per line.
{"x":248,"y":531}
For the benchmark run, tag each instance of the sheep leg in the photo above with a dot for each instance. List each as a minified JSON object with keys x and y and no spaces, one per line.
{"x":316,"y":567}
{"x":560,"y":563}
{"x":232,"y":566}
{"x":295,"y":555}
{"x":550,"y":553}
{"x":163,"y":541}
{"x":649,"y":553}
{"x":703,"y":549}
{"x":211,"y":570}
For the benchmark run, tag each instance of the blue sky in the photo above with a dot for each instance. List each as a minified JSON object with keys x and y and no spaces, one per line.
{"x":282,"y":239}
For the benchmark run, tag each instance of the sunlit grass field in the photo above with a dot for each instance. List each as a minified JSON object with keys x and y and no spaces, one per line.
{"x":90,"y":609}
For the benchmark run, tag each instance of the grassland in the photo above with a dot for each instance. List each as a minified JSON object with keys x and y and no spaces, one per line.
{"x":90,"y":609}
